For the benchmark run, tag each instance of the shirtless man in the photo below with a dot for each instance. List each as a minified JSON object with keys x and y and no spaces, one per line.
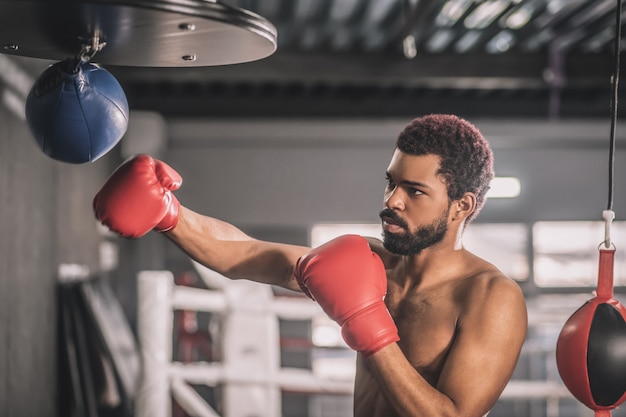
{"x":447,"y":337}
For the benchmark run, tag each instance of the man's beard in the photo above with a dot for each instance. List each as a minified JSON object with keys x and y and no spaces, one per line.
{"x":408,"y":243}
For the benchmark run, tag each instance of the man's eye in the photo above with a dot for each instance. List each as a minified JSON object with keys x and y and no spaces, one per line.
{"x":390,"y":183}
{"x":414,"y":191}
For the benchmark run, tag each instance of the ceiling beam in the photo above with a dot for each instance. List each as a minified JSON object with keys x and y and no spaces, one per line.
{"x":446,"y":71}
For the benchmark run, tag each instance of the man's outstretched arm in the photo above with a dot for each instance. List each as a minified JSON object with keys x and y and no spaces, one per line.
{"x":224,"y":248}
{"x":139,"y":197}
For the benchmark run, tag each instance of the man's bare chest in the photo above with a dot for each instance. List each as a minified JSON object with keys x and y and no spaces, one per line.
{"x":427,"y":325}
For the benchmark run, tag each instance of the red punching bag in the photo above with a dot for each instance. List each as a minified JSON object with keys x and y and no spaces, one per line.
{"x":591,"y":348}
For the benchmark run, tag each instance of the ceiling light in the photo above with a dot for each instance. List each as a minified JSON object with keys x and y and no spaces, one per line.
{"x":451,"y":12}
{"x":440,"y":40}
{"x":379,"y":10}
{"x":555,"y":6}
{"x":468,"y":41}
{"x":502,"y":42}
{"x":505,"y":187}
{"x":342,"y":10}
{"x":483,"y":15}
{"x":518,"y":18}
{"x":409,"y":48}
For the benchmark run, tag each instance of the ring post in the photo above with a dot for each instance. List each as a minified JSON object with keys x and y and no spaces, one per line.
{"x":154,"y":329}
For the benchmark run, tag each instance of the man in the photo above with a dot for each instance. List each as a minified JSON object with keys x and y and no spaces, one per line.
{"x":446,"y":338}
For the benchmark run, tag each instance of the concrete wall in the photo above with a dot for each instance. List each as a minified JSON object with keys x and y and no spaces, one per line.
{"x":45,"y":220}
{"x":292,"y":174}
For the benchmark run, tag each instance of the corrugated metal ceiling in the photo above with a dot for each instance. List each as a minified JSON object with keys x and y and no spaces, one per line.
{"x":382,"y":58}
{"x":540,"y":58}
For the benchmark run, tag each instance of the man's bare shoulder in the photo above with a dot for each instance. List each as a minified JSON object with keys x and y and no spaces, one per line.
{"x":488,"y":289}
{"x":388,"y":258}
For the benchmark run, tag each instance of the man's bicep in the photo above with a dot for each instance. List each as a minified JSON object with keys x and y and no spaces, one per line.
{"x":484,"y":354}
{"x":273,"y":263}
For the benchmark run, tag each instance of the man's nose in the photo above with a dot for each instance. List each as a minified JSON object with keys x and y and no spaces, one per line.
{"x":393,"y":199}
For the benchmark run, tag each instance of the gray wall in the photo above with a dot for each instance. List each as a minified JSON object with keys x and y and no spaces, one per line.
{"x":45,"y":220}
{"x":294,"y":173}
{"x":274,"y":176}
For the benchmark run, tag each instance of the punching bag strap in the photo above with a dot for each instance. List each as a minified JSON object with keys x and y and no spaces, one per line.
{"x":607,"y":254}
{"x":605,"y":274}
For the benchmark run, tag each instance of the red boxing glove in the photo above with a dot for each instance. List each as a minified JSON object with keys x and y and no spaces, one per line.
{"x":138,"y":197}
{"x":349,"y":282}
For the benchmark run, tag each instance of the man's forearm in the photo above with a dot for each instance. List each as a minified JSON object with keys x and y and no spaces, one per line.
{"x":224,"y":248}
{"x":209,"y":241}
{"x":405,"y":389}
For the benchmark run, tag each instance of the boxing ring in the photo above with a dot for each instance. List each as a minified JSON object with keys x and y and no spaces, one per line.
{"x":249,"y":374}
{"x":250,"y":367}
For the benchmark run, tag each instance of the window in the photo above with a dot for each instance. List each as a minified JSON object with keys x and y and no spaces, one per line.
{"x":504,"y":245}
{"x":566,"y":253}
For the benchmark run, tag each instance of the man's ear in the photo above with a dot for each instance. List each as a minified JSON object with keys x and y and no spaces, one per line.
{"x":463,"y":207}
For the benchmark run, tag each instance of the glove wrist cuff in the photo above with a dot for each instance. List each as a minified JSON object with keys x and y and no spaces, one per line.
{"x":170,"y":219}
{"x":370,"y":330}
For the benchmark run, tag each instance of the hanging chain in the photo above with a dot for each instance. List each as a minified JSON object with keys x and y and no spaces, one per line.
{"x":89,"y":49}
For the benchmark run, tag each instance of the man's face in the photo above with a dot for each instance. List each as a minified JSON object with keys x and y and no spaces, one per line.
{"x":416,"y":210}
